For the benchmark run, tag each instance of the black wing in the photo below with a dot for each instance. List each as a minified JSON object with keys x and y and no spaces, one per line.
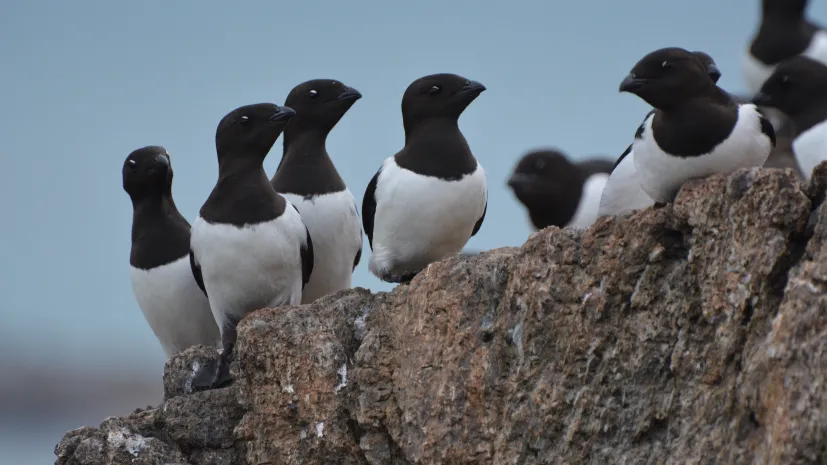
{"x":358,"y":252}
{"x":196,"y":273}
{"x":479,"y":221}
{"x":622,"y":156}
{"x":639,"y":132}
{"x":358,"y":257}
{"x":767,"y":128}
{"x":306,"y":251}
{"x":369,"y":208}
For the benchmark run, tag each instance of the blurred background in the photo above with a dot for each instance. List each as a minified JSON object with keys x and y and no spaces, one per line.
{"x":86,"y":82}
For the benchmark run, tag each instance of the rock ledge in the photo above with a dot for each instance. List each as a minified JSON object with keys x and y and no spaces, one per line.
{"x":694,"y":333}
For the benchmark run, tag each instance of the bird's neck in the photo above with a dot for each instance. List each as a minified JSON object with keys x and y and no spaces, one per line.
{"x":814,"y":115}
{"x":154,"y":208}
{"x":443,"y":128}
{"x":233,"y":167}
{"x":305,"y":146}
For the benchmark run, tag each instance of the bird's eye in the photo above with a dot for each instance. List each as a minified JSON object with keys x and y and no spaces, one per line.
{"x":434,"y":90}
{"x":785,"y":79}
{"x":666,"y":65}
{"x":540,"y":165}
{"x":313,"y":93}
{"x":244,"y":120}
{"x":131,"y":163}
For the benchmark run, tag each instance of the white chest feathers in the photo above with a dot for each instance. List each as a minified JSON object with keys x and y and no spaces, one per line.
{"x":336,"y":232}
{"x":589,"y":202}
{"x":623,"y":192}
{"x":810,"y":148}
{"x":174,"y":306}
{"x":422,"y":219}
{"x":251,"y":267}
{"x":662,"y":174}
{"x":756,"y":72}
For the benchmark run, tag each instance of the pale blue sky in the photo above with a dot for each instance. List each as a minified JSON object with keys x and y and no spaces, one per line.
{"x":84,"y":83}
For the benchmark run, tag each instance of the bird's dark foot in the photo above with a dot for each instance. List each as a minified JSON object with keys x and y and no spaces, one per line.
{"x":658,"y":205}
{"x":213,"y":375}
{"x":406,"y":278}
{"x":398,"y":278}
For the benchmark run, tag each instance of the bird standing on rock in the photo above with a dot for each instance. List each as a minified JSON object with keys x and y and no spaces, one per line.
{"x":307,"y":178}
{"x":696,"y":129}
{"x":622,"y":191}
{"x":798,"y":87}
{"x":249,"y":247}
{"x":556,"y":191}
{"x":426,"y":201}
{"x":169,"y":297}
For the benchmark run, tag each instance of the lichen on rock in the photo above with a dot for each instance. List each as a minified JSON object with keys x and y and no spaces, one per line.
{"x":693,"y":333}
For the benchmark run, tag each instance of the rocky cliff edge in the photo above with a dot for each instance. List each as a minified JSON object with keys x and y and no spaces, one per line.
{"x":694,"y":333}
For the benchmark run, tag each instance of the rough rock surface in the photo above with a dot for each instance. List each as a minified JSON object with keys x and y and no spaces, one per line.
{"x":693,"y":333}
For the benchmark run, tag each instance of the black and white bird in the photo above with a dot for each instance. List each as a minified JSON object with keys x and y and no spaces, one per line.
{"x":426,"y":201}
{"x":784,"y":33}
{"x":798,"y":87}
{"x":622,"y":192}
{"x":557,"y":192}
{"x":696,"y":129}
{"x":249,"y":246}
{"x":307,"y":178}
{"x":169,"y":297}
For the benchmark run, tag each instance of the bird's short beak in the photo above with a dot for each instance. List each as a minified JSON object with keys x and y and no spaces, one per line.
{"x":283,"y":114}
{"x":162,"y":159}
{"x":349,"y":94}
{"x":713,"y":72}
{"x":473,"y":88}
{"x":518,"y":180}
{"x":632,"y":83}
{"x":762,"y":99}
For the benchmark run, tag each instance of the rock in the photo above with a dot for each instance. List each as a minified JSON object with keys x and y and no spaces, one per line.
{"x":694,"y":333}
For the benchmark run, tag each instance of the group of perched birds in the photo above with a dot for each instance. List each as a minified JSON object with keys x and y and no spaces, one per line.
{"x":696,"y":129}
{"x":259,"y":242}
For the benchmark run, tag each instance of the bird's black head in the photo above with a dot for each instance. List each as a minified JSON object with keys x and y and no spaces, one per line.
{"x":250,"y":131}
{"x":668,"y":77}
{"x":438,"y":96}
{"x":711,"y":67}
{"x":319,"y":104}
{"x":549,"y":185}
{"x":788,"y":9}
{"x":795,"y":86}
{"x":147,"y":172}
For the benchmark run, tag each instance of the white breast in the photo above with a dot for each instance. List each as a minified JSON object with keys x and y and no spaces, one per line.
{"x":336,"y":232}
{"x":422,"y":219}
{"x":756,"y":72}
{"x":589,"y":203}
{"x":661,"y":175}
{"x":622,"y":192}
{"x":810,"y":148}
{"x":256,"y":266}
{"x":174,"y":306}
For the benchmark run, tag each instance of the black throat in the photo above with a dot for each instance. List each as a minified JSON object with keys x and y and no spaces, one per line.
{"x":780,"y":38}
{"x":306,"y":168}
{"x":160,"y":234}
{"x":557,"y":211}
{"x":243,"y":194}
{"x":438,"y":149}
{"x":815,"y":114}
{"x":695,"y":127}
